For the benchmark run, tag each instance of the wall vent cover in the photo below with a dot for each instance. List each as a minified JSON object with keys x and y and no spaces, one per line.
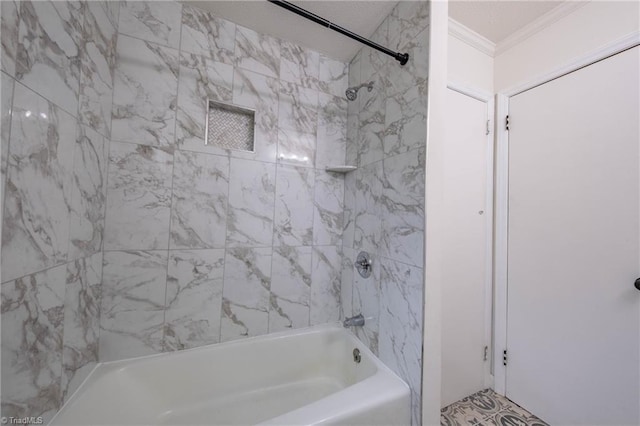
{"x":230,"y":126}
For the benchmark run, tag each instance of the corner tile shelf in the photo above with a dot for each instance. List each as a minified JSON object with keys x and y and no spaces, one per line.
{"x":340,"y":169}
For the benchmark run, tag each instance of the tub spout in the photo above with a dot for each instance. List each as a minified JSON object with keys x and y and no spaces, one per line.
{"x":355,"y":321}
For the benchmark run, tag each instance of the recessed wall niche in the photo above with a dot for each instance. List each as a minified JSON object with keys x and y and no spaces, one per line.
{"x":230,"y":126}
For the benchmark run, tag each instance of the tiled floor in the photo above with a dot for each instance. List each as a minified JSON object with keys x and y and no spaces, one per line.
{"x":487,"y":408}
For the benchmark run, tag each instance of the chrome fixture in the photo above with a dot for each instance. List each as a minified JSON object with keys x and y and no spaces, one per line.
{"x":352,"y":92}
{"x":364,"y":264}
{"x":356,"y":356}
{"x":356,"y":321}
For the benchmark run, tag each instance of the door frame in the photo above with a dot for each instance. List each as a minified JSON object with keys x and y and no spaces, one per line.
{"x":488,"y":99}
{"x":502,"y":190}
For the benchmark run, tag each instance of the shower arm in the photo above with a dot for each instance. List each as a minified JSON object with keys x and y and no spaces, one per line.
{"x":403,"y":58}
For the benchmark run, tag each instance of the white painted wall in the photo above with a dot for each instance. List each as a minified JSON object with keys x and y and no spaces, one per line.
{"x":588,"y":28}
{"x":468,"y":66}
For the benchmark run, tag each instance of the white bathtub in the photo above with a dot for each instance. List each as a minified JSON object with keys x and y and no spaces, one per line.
{"x":300,"y":377}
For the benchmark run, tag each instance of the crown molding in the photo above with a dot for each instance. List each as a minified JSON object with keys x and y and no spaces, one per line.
{"x":472,"y":38}
{"x":539,"y":24}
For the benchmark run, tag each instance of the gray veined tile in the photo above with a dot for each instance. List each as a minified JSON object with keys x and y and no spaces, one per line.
{"x":368,"y":336}
{"x":32,"y":330}
{"x":290,"y":288}
{"x":88,"y":200}
{"x":371,"y":125}
{"x":199,"y":200}
{"x":138,"y":198}
{"x":247,"y":276}
{"x":328,"y":213}
{"x":97,"y":64}
{"x":203,"y":78}
{"x":6,"y":100}
{"x":326,"y":280}
{"x":374,"y":62}
{"x":239,"y":321}
{"x":200,"y":79}
{"x":251,"y":201}
{"x":144,"y":93}
{"x":286,"y":315}
{"x":333,"y":76}
{"x":407,"y":20}
{"x":353,"y":110}
{"x":405,"y":122}
{"x":368,"y":207}
{"x":207,"y":35}
{"x":296,"y":148}
{"x":81,"y":321}
{"x":9,"y":25}
{"x":400,"y":337}
{"x":194,"y":298}
{"x":154,"y":21}
{"x":133,"y":304}
{"x":298,"y":108}
{"x":293,"y":221}
{"x":257,"y":52}
{"x":413,"y":75}
{"x":247,"y":284}
{"x":403,"y":208}
{"x":299,"y":65}
{"x":111,"y":9}
{"x":354,"y":68}
{"x":39,"y":180}
{"x":332,"y":130}
{"x":261,"y":94}
{"x":346,"y":282}
{"x":351,"y":148}
{"x":49,"y":50}
{"x":349,"y":220}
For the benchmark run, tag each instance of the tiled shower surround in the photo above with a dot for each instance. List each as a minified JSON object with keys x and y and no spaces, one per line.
{"x":384,"y":197}
{"x":124,"y":235}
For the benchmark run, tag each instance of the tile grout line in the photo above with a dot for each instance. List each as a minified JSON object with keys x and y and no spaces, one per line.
{"x":163,"y":343}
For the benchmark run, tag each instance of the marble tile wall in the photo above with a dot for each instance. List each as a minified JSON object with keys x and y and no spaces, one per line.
{"x":204,"y":244}
{"x":57,"y":64}
{"x":384,"y":197}
{"x":122,"y":233}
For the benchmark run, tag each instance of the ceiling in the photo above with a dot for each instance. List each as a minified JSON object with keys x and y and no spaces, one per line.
{"x":360,"y":17}
{"x":495,"y":20}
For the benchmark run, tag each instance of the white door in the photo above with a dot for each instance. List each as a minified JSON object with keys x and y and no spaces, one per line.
{"x":466,"y":251}
{"x":573,"y":326}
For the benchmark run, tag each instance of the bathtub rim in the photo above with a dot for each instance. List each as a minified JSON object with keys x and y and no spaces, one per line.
{"x":314,"y":329}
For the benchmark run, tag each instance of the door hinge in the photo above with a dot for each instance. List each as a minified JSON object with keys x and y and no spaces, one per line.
{"x":506,"y":123}
{"x":488,"y":127}
{"x":504,"y":358}
{"x":486,"y":353}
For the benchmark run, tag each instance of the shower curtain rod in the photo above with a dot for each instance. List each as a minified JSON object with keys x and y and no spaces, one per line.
{"x":400,"y":57}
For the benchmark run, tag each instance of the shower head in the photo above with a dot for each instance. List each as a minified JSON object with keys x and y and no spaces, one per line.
{"x":352,"y":92}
